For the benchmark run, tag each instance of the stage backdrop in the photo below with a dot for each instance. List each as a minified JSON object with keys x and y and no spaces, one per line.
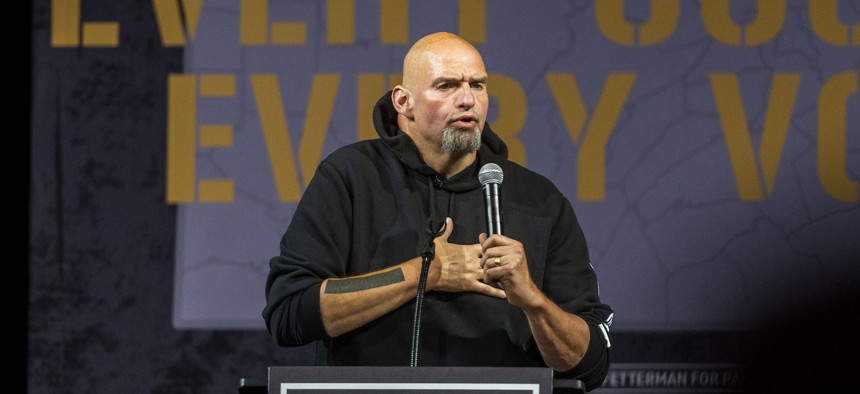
{"x":711,"y":149}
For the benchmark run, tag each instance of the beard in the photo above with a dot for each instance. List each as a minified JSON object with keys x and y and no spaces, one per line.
{"x":458,"y":140}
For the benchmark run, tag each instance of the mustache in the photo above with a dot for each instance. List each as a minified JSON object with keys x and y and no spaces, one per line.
{"x":466,"y":116}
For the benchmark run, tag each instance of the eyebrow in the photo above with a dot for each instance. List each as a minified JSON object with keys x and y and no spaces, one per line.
{"x":439,"y":80}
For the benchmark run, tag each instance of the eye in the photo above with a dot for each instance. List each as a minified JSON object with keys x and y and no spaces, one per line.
{"x":479,"y":85}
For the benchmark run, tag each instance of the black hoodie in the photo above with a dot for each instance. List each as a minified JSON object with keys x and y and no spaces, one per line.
{"x":367,"y":208}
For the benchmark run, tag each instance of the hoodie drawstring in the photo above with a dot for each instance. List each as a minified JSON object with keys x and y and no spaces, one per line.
{"x":427,"y":256}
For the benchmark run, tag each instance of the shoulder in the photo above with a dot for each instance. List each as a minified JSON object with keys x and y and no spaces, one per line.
{"x":368,"y":150}
{"x":532,"y":192}
{"x":518,"y":177}
{"x":357,"y":156}
{"x":359,"y":164}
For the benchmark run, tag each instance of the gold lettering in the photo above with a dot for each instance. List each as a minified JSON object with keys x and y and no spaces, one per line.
{"x":569,"y":100}
{"x":832,"y":140}
{"x":393,"y":21}
{"x":512,"y":108}
{"x":216,"y":85}
{"x":614,"y":26}
{"x":100,"y":34}
{"x":736,"y":130}
{"x":289,"y":33}
{"x":216,"y":190}
{"x":273,"y":121}
{"x":168,"y":17}
{"x":783,"y":93}
{"x":716,"y":16}
{"x":216,"y":136}
{"x":591,"y":161}
{"x":664,"y":19}
{"x":824,"y":18}
{"x":65,"y":23}
{"x":770,"y":16}
{"x":67,"y":29}
{"x":254,"y":26}
{"x":181,"y":153}
{"x":611,"y":22}
{"x":370,"y":88}
{"x":340,"y":22}
{"x":472,"y":23}
{"x":181,"y":141}
{"x":253,"y":22}
{"x":317,"y":119}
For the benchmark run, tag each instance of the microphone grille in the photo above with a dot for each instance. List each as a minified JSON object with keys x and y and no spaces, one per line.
{"x":490,"y":173}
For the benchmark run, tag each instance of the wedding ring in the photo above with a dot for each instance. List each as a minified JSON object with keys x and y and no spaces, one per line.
{"x":497,"y":261}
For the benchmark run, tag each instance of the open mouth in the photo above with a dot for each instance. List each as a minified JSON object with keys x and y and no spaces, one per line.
{"x":466,"y":121}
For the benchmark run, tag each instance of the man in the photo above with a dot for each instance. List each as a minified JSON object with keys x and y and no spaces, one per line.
{"x":350,"y":260}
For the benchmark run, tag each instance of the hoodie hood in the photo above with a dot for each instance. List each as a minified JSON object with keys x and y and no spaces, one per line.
{"x":493,"y":149}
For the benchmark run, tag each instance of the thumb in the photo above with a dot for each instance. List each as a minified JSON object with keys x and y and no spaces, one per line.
{"x":449,"y":228}
{"x":482,"y":237}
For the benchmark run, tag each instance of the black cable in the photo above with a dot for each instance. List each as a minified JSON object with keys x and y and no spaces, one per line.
{"x":427,"y":256}
{"x":426,"y":259}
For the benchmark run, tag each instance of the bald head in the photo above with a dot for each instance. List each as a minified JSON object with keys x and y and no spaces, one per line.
{"x":425,"y":55}
{"x":442,"y":102}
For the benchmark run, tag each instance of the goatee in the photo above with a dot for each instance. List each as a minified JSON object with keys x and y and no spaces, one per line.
{"x":459,"y":140}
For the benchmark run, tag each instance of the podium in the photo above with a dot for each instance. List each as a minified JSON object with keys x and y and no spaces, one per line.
{"x":410,"y":380}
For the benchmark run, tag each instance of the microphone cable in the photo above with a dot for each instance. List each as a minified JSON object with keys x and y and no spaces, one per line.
{"x":427,"y":256}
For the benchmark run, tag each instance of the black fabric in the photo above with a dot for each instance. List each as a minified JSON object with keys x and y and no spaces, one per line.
{"x":367,"y":208}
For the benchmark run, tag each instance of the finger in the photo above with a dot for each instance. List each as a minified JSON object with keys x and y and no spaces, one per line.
{"x":486,"y":241}
{"x":487,"y":261}
{"x":482,"y":237}
{"x":491,"y":273}
{"x":449,"y":228}
{"x":492,"y":261}
{"x":493,"y":241}
{"x":491,"y":291}
{"x":497,"y":240}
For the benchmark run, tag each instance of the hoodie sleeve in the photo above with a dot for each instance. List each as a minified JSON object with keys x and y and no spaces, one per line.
{"x":571,"y":282}
{"x":310,"y":251}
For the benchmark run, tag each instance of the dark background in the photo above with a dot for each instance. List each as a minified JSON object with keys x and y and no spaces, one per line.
{"x":101,"y":237}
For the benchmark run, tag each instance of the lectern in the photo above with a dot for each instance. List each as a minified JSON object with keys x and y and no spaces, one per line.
{"x":409,"y":380}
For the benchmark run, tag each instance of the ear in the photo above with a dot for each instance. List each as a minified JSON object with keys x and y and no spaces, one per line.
{"x":402,"y":100}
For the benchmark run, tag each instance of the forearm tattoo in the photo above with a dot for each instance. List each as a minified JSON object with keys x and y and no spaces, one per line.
{"x":349,"y":285}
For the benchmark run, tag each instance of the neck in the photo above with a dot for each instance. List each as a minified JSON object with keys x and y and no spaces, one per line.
{"x":444,"y":163}
{"x":448,"y":164}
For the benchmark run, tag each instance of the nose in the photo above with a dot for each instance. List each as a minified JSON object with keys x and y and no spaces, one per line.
{"x":467,"y":99}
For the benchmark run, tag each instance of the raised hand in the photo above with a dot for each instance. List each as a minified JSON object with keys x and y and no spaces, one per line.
{"x":457,"y":268}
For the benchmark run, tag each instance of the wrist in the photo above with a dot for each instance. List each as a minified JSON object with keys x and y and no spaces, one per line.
{"x":537,"y":303}
{"x":434,"y":273}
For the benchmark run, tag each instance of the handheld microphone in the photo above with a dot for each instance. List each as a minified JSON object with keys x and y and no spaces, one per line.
{"x":491,"y":176}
